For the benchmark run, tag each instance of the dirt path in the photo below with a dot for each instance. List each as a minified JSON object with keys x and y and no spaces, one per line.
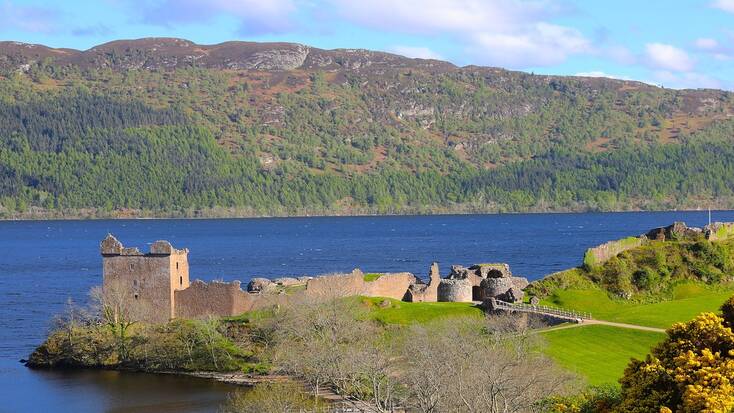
{"x":603,"y":323}
{"x":622,"y":325}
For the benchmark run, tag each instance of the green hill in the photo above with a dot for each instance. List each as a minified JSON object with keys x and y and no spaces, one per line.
{"x":168,"y":127}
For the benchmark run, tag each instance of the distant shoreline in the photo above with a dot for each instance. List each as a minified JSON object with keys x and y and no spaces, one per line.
{"x":90,"y":215}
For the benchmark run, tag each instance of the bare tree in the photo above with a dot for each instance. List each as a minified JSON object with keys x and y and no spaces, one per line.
{"x":329,"y":342}
{"x":119,"y":311}
{"x":209,"y":335}
{"x":69,"y":322}
{"x":474,"y":366}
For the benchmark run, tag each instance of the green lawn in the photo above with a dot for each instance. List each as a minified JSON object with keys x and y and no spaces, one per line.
{"x":689,"y":300}
{"x":391,"y":311}
{"x":598,"y":353}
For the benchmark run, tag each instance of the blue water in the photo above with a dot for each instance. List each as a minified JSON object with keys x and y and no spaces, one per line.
{"x":44,"y":263}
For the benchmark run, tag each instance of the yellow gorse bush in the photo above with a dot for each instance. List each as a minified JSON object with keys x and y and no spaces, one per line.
{"x":691,"y":371}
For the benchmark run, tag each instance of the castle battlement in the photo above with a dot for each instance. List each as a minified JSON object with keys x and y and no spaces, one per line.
{"x":110,"y":246}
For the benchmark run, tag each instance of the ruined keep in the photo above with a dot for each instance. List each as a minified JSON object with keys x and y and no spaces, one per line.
{"x":156,"y":284}
{"x":149,"y":280}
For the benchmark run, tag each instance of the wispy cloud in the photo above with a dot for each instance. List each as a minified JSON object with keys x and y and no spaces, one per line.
{"x":28,"y":18}
{"x":255,"y":16}
{"x":95,"y":30}
{"x":716,"y":49}
{"x":726,"y":5}
{"x":415,"y":52}
{"x":688,"y":80}
{"x":509,"y":33}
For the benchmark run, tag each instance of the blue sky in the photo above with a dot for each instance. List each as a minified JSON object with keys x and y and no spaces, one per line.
{"x":674,"y":43}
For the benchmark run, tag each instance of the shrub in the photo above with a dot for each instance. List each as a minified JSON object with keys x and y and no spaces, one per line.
{"x":691,"y":371}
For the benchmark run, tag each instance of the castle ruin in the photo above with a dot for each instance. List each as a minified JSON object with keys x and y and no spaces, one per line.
{"x":157,"y":283}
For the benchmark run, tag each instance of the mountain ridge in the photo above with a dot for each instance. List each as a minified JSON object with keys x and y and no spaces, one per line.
{"x":178,"y":52}
{"x":281,"y":128}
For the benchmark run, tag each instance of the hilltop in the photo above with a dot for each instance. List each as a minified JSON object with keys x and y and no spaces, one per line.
{"x":168,"y":127}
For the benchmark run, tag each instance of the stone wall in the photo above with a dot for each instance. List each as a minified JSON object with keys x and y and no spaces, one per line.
{"x":387,"y":285}
{"x":604,"y":252}
{"x":421,"y":292}
{"x":217,"y":298}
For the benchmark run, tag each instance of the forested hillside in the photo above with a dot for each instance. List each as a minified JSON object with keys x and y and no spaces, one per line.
{"x":168,"y":127}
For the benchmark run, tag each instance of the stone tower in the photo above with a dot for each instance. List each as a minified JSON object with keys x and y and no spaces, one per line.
{"x":147,"y":281}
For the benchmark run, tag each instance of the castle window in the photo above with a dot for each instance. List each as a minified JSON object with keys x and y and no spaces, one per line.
{"x":131,"y":267}
{"x":180,"y":280}
{"x":135,"y":295}
{"x":135,"y":283}
{"x":176,"y":265}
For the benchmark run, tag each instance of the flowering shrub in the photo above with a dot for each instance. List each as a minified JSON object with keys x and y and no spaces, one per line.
{"x":690,"y":371}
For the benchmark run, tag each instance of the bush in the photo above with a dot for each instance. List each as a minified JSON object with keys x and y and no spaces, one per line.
{"x":595,"y":400}
{"x":691,"y":371}
{"x":272,"y":398}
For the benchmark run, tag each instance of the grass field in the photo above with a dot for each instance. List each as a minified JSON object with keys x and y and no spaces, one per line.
{"x":391,"y":311}
{"x":598,"y":353}
{"x":689,"y":300}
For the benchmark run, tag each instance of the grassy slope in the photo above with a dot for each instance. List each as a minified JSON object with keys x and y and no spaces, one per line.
{"x":598,"y":353}
{"x":398,"y":312}
{"x":690,"y":300}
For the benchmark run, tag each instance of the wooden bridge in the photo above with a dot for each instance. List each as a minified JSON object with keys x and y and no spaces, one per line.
{"x":560,"y":313}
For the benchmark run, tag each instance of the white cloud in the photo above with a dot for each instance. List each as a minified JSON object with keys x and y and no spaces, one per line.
{"x":415,"y":52}
{"x":715,"y":49}
{"x":541,"y":45}
{"x":668,"y":57}
{"x":687,"y":80}
{"x":509,"y":33}
{"x":726,"y":5}
{"x":707,"y":43}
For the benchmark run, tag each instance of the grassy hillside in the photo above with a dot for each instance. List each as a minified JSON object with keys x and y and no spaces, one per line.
{"x":656,"y":314}
{"x":653,"y":271}
{"x":138,"y":128}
